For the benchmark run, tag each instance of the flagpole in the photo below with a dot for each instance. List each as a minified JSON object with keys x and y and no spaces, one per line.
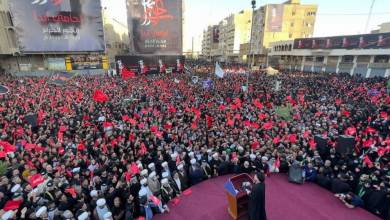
{"x":253,"y":2}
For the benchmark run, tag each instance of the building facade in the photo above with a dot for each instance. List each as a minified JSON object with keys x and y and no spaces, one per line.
{"x":222,"y":42}
{"x":383,"y":28}
{"x":279,"y":22}
{"x":366,"y":55}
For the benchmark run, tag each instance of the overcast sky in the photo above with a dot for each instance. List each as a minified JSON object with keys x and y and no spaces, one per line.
{"x":334,"y":17}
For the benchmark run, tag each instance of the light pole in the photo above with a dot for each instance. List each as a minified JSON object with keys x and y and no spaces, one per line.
{"x":253,"y":2}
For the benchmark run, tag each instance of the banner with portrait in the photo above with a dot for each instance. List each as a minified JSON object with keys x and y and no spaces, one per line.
{"x":58,"y":25}
{"x":155,"y":26}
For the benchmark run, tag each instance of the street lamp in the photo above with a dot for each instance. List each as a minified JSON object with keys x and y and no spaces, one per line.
{"x":253,"y":2}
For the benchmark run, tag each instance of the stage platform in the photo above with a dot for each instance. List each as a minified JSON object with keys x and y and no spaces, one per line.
{"x":284,"y":201}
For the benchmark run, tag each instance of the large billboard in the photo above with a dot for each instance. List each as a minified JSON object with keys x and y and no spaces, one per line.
{"x":155,"y":26}
{"x":275,"y":18}
{"x":362,"y":41}
{"x":58,"y":25}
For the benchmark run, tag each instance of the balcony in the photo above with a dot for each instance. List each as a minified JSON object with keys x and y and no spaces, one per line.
{"x":379,"y":65}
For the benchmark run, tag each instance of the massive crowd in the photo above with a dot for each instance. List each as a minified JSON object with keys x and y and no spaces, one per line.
{"x":106,"y":148}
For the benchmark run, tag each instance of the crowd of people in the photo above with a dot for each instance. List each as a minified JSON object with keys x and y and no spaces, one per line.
{"x":107,"y":148}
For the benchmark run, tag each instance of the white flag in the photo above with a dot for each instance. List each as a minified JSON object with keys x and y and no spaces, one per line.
{"x":177,"y":81}
{"x":219,"y":71}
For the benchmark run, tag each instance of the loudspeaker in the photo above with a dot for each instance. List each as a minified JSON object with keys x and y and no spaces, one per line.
{"x":295,"y":174}
{"x":322,"y":145}
{"x":345,"y":144}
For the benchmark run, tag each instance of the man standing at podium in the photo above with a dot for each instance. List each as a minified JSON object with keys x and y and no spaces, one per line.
{"x":257,"y":199}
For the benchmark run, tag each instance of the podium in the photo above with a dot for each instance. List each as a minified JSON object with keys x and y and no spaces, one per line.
{"x":237,"y":197}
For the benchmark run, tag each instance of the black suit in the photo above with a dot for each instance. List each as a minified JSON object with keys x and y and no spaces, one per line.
{"x":257,"y":203}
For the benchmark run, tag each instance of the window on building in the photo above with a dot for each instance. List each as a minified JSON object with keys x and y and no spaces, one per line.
{"x":319,"y":59}
{"x":292,"y":24}
{"x":293,"y":13}
{"x":290,"y":35}
{"x":347,"y":59}
{"x":311,"y":13}
{"x":381,"y":59}
{"x":309,"y":58}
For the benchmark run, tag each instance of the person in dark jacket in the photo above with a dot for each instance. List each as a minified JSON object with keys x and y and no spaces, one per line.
{"x":257,"y":199}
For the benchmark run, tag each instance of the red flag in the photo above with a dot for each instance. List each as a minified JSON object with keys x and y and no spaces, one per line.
{"x":131,"y":137}
{"x":36,"y":179}
{"x":168,"y":126}
{"x":255,"y":145}
{"x":350,"y":131}
{"x":194,"y":125}
{"x":71,"y":191}
{"x":384,"y":115}
{"x":107,"y":124}
{"x":276,"y":140}
{"x":338,"y":101}
{"x":222,"y":107}
{"x":368,"y":162}
{"x":99,"y":96}
{"x":7,"y":147}
{"x":255,"y":125}
{"x":125,"y":118}
{"x":153,"y":128}
{"x":237,"y":102}
{"x":267,"y":125}
{"x":368,"y":143}
{"x":141,"y":125}
{"x":370,"y":130}
{"x":143,"y":149}
{"x":292,"y":138}
{"x":12,"y":205}
{"x":127,"y":73}
{"x":258,"y":104}
{"x":209,"y":121}
{"x":134,"y":168}
{"x":346,"y":113}
{"x":247,"y":123}
{"x":262,"y":116}
{"x":3,"y":154}
{"x":312,"y":144}
{"x":306,"y":134}
{"x":171,"y":109}
{"x":81,"y":146}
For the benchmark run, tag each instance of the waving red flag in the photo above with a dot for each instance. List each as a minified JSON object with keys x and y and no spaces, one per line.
{"x":267,"y":125}
{"x":368,"y":162}
{"x":134,"y":169}
{"x":36,"y":179}
{"x":12,"y":205}
{"x":258,"y":104}
{"x":350,"y":131}
{"x":143,"y":149}
{"x":126,"y":74}
{"x":100,"y":96}
{"x":346,"y":113}
{"x":209,"y":121}
{"x":292,"y":138}
{"x":312,"y":144}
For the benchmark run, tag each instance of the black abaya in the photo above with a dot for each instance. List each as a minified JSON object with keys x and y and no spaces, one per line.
{"x":257,"y":203}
